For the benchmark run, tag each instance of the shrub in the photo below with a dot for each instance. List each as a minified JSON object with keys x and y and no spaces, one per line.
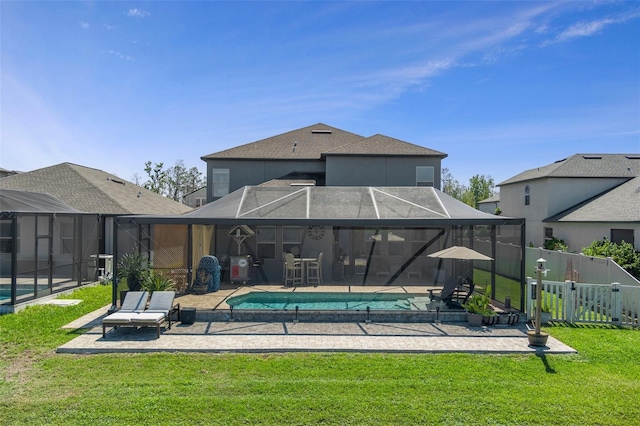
{"x":624,"y":254}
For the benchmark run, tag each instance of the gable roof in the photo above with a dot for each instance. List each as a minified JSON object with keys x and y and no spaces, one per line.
{"x":584,"y":166}
{"x":383,"y":145}
{"x":624,"y":200}
{"x":92,"y":191}
{"x":314,"y":142}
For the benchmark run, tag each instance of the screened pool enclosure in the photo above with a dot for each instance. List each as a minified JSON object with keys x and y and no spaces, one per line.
{"x":367,"y":235}
{"x":45,"y":247}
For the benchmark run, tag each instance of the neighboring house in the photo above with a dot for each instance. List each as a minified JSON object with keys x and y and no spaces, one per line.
{"x":92,"y":191}
{"x":5,"y":172}
{"x":324,"y":156}
{"x":490,"y":205}
{"x":52,"y":246}
{"x":197,"y":198}
{"x":579,"y":199}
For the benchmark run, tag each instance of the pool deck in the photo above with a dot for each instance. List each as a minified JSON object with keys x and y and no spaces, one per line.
{"x":223,"y":336}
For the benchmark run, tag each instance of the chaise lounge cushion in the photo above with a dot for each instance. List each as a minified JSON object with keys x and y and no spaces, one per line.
{"x":119,"y":318}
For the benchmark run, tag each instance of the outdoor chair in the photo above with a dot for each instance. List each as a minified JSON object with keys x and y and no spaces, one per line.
{"x":133,"y":303}
{"x":314,"y":271}
{"x":293,"y":270}
{"x":454,"y":287}
{"x":160,"y":309}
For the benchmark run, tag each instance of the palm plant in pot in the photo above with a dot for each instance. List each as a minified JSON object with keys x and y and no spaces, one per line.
{"x":477,"y":308}
{"x":133,"y":268}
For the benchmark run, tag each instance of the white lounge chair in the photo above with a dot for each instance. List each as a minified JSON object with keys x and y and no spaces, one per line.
{"x":133,"y":303}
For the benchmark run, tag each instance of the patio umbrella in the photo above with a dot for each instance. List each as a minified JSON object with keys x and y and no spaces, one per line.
{"x":459,"y":252}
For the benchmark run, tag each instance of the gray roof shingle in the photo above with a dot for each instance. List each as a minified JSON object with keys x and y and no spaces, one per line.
{"x":313,"y":142}
{"x":383,"y":145}
{"x":584,"y":166}
{"x":92,"y":190}
{"x":620,"y":204}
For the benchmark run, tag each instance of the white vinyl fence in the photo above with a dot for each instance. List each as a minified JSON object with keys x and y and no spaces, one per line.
{"x":561,"y":266}
{"x":574,"y":302}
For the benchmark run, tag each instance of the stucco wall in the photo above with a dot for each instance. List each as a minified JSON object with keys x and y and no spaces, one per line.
{"x":378,"y":171}
{"x":579,"y":235}
{"x":254,"y":172}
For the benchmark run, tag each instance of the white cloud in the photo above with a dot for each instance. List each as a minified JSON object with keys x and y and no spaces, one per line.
{"x":138,"y":13}
{"x":109,"y":27}
{"x":121,"y":56}
{"x":84,"y":25}
{"x":589,"y":28}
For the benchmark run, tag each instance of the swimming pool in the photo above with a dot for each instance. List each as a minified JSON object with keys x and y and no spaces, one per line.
{"x":328,"y":301}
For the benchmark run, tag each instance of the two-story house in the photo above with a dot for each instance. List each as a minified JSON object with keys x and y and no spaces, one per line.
{"x":578,"y":199}
{"x":324,"y":156}
{"x":369,"y":205}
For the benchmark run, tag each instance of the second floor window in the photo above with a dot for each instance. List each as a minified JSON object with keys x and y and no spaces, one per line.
{"x":200,"y":201}
{"x":424,"y":175}
{"x":527,"y":195}
{"x":220,"y":182}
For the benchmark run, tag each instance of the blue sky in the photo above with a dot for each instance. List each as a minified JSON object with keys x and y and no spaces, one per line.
{"x":501,"y":86}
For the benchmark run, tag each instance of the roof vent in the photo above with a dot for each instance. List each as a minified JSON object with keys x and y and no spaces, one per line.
{"x":592,"y":157}
{"x":633,"y":157}
{"x":115,"y":181}
{"x":321,"y":131}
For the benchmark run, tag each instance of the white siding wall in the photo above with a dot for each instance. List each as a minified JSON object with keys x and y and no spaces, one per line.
{"x":549,"y":197}
{"x":579,"y":235}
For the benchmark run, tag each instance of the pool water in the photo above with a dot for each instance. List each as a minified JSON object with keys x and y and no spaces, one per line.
{"x":330,"y":301}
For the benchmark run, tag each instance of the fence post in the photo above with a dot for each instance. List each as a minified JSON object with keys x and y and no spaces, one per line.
{"x":616,"y":304}
{"x":570,"y":302}
{"x":530,"y":290}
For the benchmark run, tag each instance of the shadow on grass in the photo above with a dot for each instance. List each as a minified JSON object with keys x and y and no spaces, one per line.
{"x":545,"y":361}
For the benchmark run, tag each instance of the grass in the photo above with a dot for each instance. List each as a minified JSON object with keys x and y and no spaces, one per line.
{"x":505,"y":287}
{"x":595,"y":387}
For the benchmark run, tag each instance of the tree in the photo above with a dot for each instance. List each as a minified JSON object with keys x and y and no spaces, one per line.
{"x":175,"y":182}
{"x":157,"y":181}
{"x":182,"y":181}
{"x":480,"y":188}
{"x":450,"y":185}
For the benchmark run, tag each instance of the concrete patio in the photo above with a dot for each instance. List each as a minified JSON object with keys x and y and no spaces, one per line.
{"x":225,"y":335}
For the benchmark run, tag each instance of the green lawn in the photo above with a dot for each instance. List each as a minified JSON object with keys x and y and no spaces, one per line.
{"x":598,"y":386}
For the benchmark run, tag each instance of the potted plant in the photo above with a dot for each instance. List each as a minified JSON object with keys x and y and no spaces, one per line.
{"x":157,"y":281}
{"x":133,"y":267}
{"x":477,"y":308}
{"x":545,"y":314}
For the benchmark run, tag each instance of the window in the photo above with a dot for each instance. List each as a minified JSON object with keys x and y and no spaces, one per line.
{"x":424,"y":176}
{"x":291,"y":237}
{"x":220,"y":182}
{"x":548,"y":233}
{"x":620,"y":235}
{"x":266,"y":242}
{"x":200,"y":201}
{"x":527,"y":195}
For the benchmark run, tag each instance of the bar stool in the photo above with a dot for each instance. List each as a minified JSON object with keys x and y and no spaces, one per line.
{"x":292,"y":270}
{"x":314,"y":271}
